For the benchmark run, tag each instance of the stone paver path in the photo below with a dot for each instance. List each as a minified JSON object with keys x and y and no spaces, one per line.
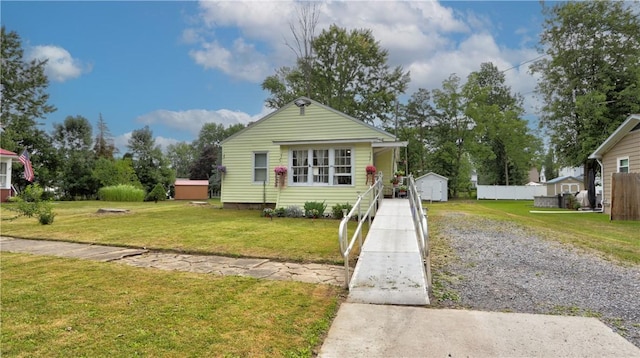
{"x":218,"y":265}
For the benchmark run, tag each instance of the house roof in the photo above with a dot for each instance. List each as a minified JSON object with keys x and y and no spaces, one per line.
{"x":192,"y":182}
{"x":309,"y":101}
{"x":627,"y":126}
{"x":433,"y":174}
{"x":559,"y":179}
{"x":7,"y":153}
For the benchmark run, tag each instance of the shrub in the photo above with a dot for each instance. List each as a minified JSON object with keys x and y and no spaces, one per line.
{"x":157,"y":193}
{"x":336,"y":210}
{"x":314,"y":209}
{"x":30,"y":204}
{"x":279,"y":212}
{"x":121,"y":192}
{"x":32,"y":193}
{"x":46,"y":215}
{"x":293,"y":212}
{"x":267,"y":213}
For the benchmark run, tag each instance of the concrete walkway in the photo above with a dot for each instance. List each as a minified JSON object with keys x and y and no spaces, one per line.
{"x":363,"y":330}
{"x":219,"y":265}
{"x":390,"y":269}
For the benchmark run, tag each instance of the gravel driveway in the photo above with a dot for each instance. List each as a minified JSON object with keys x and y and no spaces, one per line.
{"x":500,"y":266}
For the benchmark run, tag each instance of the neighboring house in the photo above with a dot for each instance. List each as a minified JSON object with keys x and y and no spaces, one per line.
{"x":571,"y":172}
{"x":325,"y":153}
{"x":565,"y":184}
{"x":620,"y":153}
{"x":186,"y":189}
{"x":6,"y":160}
{"x":533,"y":175}
{"x":432,"y":187}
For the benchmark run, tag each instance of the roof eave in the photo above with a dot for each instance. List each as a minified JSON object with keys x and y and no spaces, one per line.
{"x":616,"y":136}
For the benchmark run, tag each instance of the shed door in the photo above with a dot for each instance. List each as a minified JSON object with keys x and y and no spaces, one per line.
{"x":431,"y":190}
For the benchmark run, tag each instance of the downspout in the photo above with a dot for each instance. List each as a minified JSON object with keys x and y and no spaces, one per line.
{"x":602,"y":184}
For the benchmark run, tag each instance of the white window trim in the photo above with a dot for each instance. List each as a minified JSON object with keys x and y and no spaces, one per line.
{"x":253,"y":167}
{"x":4,"y":184}
{"x":619,"y":159}
{"x":310,"y":182}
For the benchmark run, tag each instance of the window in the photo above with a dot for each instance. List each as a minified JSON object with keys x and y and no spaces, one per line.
{"x":321,"y":166}
{"x":623,"y":165}
{"x":342,"y":167}
{"x":299,"y":166}
{"x":3,"y":175}
{"x":260,"y":167}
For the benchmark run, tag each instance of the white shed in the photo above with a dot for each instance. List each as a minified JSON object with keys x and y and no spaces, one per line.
{"x":432,"y":187}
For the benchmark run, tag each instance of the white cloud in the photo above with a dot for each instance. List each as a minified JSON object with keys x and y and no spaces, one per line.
{"x":61,"y":66}
{"x":427,"y":38}
{"x":240,"y":61}
{"x":193,"y":120}
{"x":121,"y":142}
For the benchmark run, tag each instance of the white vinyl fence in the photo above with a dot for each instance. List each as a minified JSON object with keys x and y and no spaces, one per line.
{"x":511,"y":192}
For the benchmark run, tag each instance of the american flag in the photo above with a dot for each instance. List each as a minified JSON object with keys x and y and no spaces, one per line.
{"x":28,"y":169}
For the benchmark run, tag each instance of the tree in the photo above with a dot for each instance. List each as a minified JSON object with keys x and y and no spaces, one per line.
{"x":349,"y":73}
{"x":303,"y":35}
{"x":503,"y":148}
{"x":452,"y":132}
{"x":109,"y":172}
{"x":104,"y":146}
{"x":418,"y":117}
{"x":181,"y":156}
{"x":150,"y":165}
{"x":590,"y":76}
{"x":23,"y":102}
{"x":73,"y":140}
{"x":202,"y":167}
{"x":549,"y":165}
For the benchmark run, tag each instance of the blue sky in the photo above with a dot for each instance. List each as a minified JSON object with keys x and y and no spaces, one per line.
{"x":175,"y":65}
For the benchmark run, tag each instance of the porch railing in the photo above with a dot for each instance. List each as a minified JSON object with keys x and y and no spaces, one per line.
{"x":421,"y":226}
{"x":375,"y":195}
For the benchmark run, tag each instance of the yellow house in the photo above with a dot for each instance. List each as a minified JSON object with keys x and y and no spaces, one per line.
{"x":323,"y":151}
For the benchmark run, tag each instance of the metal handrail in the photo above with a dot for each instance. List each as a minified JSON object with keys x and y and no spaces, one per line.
{"x":375,"y":193}
{"x":420,"y":224}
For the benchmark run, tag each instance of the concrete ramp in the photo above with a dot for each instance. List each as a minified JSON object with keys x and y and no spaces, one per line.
{"x":390,"y":269}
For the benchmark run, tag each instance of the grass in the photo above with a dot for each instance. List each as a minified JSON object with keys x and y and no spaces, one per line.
{"x":72,"y":308}
{"x":180,"y":226}
{"x":617,"y":240}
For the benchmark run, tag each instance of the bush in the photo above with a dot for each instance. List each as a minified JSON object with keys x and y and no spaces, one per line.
{"x":336,"y":210}
{"x":157,"y":193}
{"x":46,"y":215}
{"x":314,"y":209}
{"x":32,"y":193}
{"x":30,"y":204}
{"x":121,"y":192}
{"x":279,"y":212}
{"x":268,"y":213}
{"x":293,"y":212}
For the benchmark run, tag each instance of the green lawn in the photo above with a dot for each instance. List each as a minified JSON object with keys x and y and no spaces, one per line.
{"x":180,"y":226}
{"x":618,"y":240}
{"x":65,"y":307}
{"x":55,"y":307}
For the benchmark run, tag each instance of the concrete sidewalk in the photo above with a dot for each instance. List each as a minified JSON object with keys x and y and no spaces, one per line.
{"x":365,"y":330}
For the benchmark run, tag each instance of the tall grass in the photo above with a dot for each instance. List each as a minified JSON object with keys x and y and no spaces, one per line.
{"x":121,"y":193}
